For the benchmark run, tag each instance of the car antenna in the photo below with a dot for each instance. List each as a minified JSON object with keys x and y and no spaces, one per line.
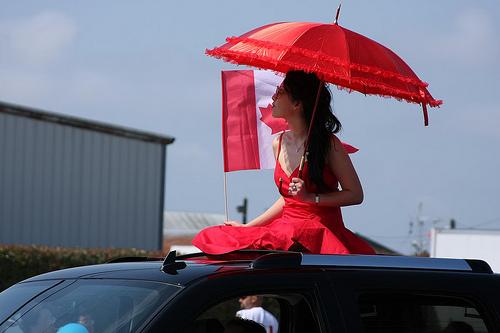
{"x":170,"y":266}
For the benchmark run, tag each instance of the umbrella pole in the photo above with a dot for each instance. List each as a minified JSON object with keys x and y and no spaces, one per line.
{"x":311,"y":124}
{"x":338,"y":14}
{"x":225,"y":196}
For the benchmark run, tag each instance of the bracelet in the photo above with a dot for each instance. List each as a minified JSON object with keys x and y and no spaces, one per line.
{"x":316,"y":199}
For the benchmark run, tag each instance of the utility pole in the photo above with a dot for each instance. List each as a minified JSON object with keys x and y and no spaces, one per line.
{"x":243,"y":210}
{"x":420,"y":228}
{"x":418,"y":243}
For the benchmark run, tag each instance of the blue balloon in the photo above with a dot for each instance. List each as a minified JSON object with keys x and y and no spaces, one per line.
{"x":72,"y":328}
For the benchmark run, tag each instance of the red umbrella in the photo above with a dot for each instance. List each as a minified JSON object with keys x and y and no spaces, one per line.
{"x":337,"y":55}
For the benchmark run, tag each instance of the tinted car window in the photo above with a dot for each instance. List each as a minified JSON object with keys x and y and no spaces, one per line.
{"x":96,"y":306}
{"x":384,"y":313}
{"x":16,"y":296}
{"x":292,"y":313}
{"x":226,"y":311}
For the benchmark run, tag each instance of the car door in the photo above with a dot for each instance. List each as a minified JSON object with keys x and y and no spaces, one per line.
{"x":386,"y":301}
{"x":302,"y":297}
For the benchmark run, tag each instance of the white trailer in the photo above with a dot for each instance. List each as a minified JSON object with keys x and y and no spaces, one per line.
{"x":467,"y":244}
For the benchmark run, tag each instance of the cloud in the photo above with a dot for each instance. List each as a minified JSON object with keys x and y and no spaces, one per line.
{"x":472,"y":39}
{"x":19,"y":86}
{"x":85,"y":91}
{"x":90,"y":86}
{"x":36,"y":41}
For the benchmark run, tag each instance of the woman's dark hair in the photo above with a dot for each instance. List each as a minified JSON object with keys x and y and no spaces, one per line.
{"x":303,"y":87}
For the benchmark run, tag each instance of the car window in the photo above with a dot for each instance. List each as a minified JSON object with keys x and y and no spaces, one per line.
{"x":383,"y":313}
{"x":276,"y":313}
{"x":16,"y":296}
{"x":94,"y":306}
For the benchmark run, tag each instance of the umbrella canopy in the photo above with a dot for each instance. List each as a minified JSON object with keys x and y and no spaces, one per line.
{"x":335,"y":54}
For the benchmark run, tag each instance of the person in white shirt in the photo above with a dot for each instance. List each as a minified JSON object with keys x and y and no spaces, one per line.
{"x":251,"y":308}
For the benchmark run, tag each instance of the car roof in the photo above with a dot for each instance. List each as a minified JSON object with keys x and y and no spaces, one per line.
{"x":181,"y":270}
{"x":152,"y":269}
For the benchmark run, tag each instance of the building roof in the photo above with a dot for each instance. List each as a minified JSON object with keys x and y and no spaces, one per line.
{"x":379,"y":248}
{"x":177,"y":224}
{"x":52,"y":117}
{"x":188,"y":223}
{"x":467,"y":231}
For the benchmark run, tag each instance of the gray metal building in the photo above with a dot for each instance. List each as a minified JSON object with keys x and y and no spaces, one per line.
{"x":70,"y":182}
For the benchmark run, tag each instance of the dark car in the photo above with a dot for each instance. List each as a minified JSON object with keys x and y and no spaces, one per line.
{"x":305,"y":292}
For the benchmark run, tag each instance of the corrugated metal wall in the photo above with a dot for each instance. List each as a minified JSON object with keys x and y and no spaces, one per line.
{"x":75,"y":187}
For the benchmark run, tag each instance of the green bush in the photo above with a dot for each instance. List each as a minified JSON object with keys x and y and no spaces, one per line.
{"x":21,"y":262}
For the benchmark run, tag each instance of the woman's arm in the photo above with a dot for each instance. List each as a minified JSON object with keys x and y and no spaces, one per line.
{"x":270,"y":214}
{"x":265,"y":218}
{"x":351,"y":192}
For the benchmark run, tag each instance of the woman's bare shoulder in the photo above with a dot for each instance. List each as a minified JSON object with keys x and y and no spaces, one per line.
{"x":276,"y":142}
{"x":336,"y":145}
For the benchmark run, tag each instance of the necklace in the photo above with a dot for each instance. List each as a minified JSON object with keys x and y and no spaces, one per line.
{"x":298,"y":147}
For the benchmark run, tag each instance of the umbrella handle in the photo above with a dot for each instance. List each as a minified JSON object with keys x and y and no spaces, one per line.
{"x":301,"y":164}
{"x":426,"y":115}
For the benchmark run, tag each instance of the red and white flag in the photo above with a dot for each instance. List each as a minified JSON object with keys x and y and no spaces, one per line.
{"x":248,"y":127}
{"x":247,"y":124}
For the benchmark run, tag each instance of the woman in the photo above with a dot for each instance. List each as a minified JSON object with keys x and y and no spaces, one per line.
{"x":306,"y":217}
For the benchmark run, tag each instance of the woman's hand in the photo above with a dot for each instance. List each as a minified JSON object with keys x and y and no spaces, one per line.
{"x":297,"y":188}
{"x":234,"y":224}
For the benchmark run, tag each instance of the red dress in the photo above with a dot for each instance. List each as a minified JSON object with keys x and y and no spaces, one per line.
{"x":318,"y":229}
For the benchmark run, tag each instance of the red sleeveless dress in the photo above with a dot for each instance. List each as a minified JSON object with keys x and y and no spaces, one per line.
{"x":318,"y":229}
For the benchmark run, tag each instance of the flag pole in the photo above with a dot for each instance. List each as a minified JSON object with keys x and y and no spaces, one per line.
{"x":225,"y":196}
{"x":223,"y":146}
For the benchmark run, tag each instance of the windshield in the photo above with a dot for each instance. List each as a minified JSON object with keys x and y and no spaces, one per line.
{"x":16,"y":296}
{"x":92,"y":306}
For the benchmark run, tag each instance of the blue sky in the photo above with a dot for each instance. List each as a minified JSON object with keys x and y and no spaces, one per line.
{"x":142,"y":65}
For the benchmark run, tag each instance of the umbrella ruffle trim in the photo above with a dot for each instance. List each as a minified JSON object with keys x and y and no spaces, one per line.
{"x":341,"y":81}
{"x":325,"y":57}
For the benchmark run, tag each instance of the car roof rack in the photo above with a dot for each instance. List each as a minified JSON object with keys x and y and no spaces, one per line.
{"x":234,"y":255}
{"x":278,"y":260}
{"x":371,"y":261}
{"x":272,"y":258}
